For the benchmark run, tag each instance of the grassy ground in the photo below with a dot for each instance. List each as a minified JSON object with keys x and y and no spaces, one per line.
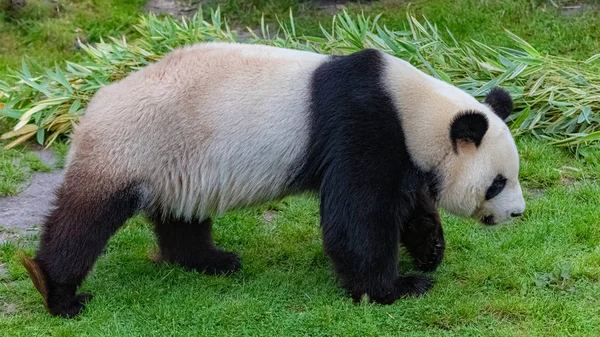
{"x":47,"y":31}
{"x":547,"y":28}
{"x":537,"y":276}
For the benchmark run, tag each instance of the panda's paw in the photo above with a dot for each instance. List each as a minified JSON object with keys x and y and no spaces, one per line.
{"x":219,"y":262}
{"x":405,"y":286}
{"x":71,"y":308}
{"x":431,"y":257}
{"x":413,"y":285}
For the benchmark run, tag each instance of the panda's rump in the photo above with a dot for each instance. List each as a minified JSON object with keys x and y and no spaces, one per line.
{"x":204,"y":132}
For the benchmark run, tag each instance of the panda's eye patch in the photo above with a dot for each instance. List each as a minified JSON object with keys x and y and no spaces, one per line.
{"x":496,"y":187}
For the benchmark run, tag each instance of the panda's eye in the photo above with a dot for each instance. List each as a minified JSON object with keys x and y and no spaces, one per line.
{"x":496,"y":187}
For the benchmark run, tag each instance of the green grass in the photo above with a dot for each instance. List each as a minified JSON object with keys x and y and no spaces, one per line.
{"x":537,"y":21}
{"x":47,"y":31}
{"x":538,"y":276}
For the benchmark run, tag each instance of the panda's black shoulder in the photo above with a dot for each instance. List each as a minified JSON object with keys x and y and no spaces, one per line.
{"x":345,"y":86}
{"x":348,"y":98}
{"x":361,"y":70}
{"x":356,"y":134}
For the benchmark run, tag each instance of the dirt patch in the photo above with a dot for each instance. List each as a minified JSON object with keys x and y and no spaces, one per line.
{"x":8,"y":309}
{"x":187,"y":8}
{"x":575,"y":9}
{"x":46,"y":156}
{"x":570,"y":8}
{"x":269,"y":215}
{"x":175,"y":8}
{"x":333,"y":6}
{"x":22,"y":214}
{"x":536,"y":193}
{"x":268,"y":219}
{"x":3,"y":271}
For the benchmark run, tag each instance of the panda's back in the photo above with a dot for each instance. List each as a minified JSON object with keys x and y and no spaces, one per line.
{"x":205,"y":129}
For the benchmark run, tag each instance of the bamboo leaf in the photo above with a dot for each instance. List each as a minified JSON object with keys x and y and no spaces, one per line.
{"x":523,"y":44}
{"x":31,"y":82}
{"x":593,"y":58}
{"x":391,"y":44}
{"x":25,"y":129}
{"x":40,"y":136}
{"x":27,"y":115}
{"x":19,"y":140}
{"x":537,"y":85}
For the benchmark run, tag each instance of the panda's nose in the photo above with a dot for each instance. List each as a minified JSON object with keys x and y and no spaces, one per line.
{"x":514,"y":215}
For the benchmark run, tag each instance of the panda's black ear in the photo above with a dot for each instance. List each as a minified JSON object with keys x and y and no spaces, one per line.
{"x":468,"y":126}
{"x":500,"y":101}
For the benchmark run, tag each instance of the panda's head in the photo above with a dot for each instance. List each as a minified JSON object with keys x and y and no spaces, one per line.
{"x":481,"y":172}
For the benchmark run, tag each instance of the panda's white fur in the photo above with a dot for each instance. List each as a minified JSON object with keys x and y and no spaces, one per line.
{"x":216,"y":126}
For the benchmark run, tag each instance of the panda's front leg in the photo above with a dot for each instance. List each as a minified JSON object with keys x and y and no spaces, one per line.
{"x":360,"y":234}
{"x":422,"y":234}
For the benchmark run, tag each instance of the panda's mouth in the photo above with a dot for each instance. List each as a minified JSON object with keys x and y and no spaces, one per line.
{"x":488,"y":220}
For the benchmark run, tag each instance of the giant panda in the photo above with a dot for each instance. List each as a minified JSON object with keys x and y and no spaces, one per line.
{"x":217,"y":126}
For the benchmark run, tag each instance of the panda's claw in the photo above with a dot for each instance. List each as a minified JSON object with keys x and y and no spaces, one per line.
{"x":413,"y":285}
{"x":70,"y":309}
{"x":222,"y":262}
{"x":213,"y":262}
{"x":430,"y":259}
{"x":404,"y":286}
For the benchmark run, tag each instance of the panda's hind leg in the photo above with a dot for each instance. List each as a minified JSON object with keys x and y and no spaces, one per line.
{"x":189,"y":243}
{"x":89,"y":210}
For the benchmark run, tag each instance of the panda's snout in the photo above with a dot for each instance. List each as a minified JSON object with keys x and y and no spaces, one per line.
{"x":519,"y":210}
